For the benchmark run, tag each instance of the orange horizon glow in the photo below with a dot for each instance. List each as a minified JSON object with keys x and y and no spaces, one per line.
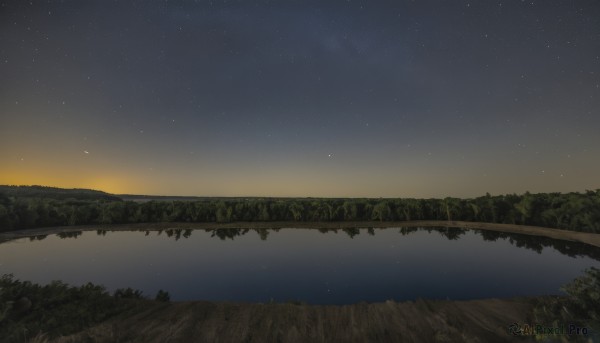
{"x":357,"y":105}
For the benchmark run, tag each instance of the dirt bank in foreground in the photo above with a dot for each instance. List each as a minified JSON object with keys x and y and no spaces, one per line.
{"x":573,"y":236}
{"x":421,"y":321}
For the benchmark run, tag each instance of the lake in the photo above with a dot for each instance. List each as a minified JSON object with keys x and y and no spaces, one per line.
{"x":315,"y":266}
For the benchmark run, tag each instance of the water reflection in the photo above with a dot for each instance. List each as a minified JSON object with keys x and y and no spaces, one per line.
{"x":37,"y":238}
{"x":535,"y":243}
{"x":328,"y":266}
{"x":73,"y":234}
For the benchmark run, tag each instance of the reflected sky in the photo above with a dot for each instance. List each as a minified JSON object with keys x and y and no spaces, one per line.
{"x":297,"y":264}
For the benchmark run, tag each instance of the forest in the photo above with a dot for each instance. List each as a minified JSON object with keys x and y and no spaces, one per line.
{"x":29,"y":207}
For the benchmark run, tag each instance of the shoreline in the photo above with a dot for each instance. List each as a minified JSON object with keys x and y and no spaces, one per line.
{"x":592,"y":239}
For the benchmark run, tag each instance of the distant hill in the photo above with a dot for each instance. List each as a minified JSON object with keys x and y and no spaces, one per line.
{"x":146,"y":198}
{"x":55,"y":193}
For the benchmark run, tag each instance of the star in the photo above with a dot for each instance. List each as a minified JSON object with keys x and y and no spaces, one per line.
{"x":246,"y":111}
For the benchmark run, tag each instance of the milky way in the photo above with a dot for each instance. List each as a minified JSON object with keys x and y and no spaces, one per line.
{"x":301,"y":98}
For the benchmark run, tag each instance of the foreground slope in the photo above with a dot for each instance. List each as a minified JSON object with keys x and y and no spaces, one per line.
{"x":421,"y":321}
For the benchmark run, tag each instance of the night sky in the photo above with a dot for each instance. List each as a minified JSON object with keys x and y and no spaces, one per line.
{"x":301,"y":98}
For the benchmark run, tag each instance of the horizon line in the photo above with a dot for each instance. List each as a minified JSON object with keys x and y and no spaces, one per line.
{"x":289,"y":196}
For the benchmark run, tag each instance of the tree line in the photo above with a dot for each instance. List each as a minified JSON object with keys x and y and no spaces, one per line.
{"x":571,"y":211}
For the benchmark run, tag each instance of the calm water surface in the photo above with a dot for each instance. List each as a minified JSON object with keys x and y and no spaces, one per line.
{"x":342,"y":267}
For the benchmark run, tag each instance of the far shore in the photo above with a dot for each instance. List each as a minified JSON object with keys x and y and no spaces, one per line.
{"x":573,"y":236}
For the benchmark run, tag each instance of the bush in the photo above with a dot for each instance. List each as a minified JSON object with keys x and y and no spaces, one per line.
{"x":56,"y":309}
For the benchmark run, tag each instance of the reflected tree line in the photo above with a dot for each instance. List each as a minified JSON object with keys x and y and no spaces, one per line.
{"x":571,"y":211}
{"x":535,"y":243}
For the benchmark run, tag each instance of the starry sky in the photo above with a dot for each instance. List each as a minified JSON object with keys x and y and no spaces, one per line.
{"x":301,"y":98}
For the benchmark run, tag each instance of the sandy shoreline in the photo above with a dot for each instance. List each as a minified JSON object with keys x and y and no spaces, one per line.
{"x":573,"y":236}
